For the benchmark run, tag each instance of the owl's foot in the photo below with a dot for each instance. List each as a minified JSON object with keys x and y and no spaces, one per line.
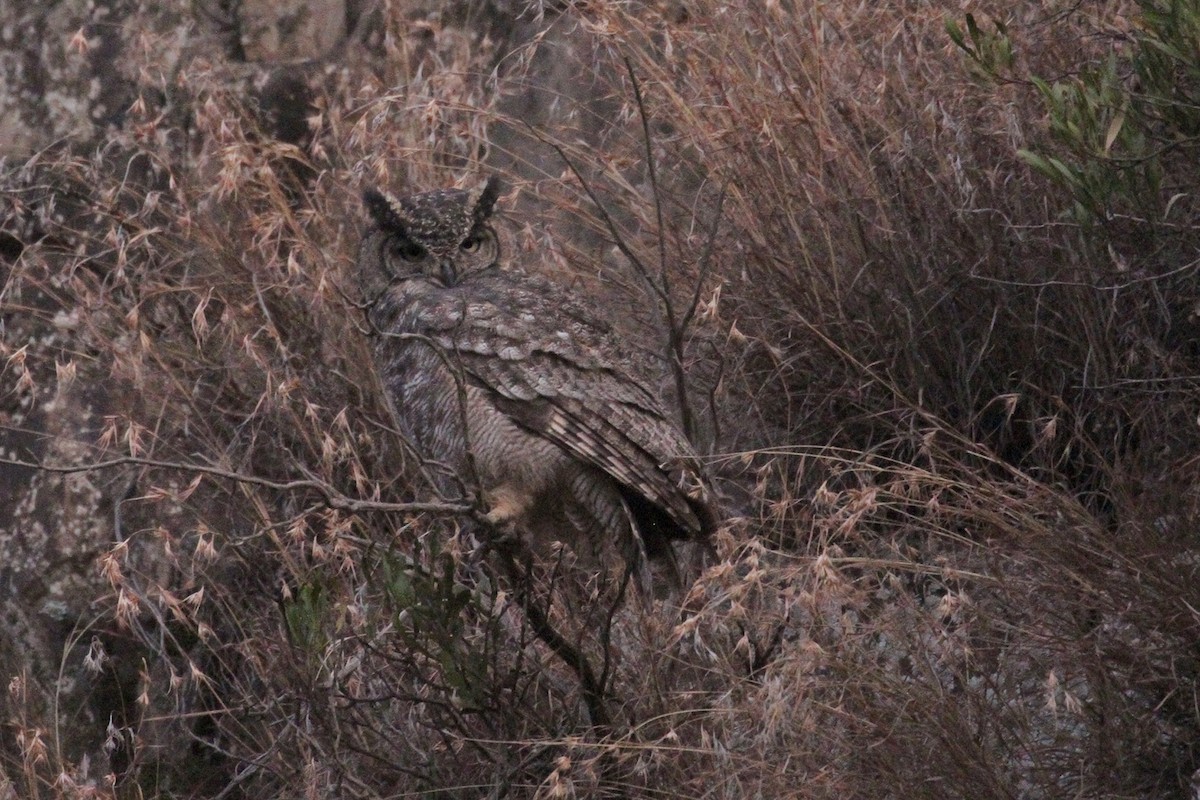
{"x":505,"y":504}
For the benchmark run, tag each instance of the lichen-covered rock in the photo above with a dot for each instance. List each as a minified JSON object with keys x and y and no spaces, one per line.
{"x":62,"y":71}
{"x":291,"y":30}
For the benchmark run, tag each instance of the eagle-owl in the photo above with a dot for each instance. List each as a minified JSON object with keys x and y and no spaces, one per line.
{"x":509,"y":384}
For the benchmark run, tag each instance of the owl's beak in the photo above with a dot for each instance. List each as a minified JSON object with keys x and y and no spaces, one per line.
{"x":449,"y":276}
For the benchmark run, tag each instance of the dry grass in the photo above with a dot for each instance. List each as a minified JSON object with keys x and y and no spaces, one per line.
{"x":955,"y":431}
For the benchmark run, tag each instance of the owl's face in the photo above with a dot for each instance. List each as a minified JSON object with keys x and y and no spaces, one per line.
{"x":440,"y":237}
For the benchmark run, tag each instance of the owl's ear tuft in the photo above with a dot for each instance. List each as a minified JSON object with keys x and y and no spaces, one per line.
{"x":383,"y":209}
{"x":484,"y":198}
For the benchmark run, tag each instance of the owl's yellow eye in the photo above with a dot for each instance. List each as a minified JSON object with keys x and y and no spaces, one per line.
{"x":471,"y":244}
{"x":408,"y":250}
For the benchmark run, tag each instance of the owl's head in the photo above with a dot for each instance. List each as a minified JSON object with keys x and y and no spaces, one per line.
{"x":441,"y":236}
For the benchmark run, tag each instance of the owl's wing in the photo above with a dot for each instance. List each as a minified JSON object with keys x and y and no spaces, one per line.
{"x":600,"y":422}
{"x":558,"y":372}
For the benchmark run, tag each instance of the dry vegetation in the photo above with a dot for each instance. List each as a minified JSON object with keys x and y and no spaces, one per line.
{"x":949,"y":390}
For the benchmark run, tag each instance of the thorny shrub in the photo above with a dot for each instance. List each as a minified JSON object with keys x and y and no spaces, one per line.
{"x":955,"y":435}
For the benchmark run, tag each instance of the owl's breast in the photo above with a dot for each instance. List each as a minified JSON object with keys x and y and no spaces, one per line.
{"x":416,"y":306}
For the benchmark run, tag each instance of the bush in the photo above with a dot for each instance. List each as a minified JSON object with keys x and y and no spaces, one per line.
{"x":954,"y":427}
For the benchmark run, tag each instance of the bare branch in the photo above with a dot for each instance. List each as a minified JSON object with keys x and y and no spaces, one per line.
{"x":331,"y":496}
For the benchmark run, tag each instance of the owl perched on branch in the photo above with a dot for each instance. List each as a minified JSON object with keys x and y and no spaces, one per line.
{"x":516,"y":388}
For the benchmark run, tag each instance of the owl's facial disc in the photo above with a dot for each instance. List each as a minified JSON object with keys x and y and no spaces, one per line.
{"x":472,"y":244}
{"x":407,"y":250}
{"x":441,"y":236}
{"x":479,"y":248}
{"x":403,"y":258}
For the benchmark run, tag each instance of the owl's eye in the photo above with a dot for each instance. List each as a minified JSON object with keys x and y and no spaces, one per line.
{"x":471,"y":244}
{"x":408,"y":250}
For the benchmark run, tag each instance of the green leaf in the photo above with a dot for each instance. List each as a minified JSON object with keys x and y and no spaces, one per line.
{"x":1114,"y":129}
{"x":956,"y":35}
{"x":1070,"y":176}
{"x":1036,"y":162}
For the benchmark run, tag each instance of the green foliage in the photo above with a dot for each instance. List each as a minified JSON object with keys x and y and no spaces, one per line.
{"x":991,"y":53}
{"x":1120,"y":125}
{"x":1107,"y":160}
{"x":428,"y":609}
{"x":432,"y":613}
{"x":306,"y":615}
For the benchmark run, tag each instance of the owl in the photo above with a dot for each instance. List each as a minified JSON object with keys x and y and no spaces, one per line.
{"x":512,"y":388}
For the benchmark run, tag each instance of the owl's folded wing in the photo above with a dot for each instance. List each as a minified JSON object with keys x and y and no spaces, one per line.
{"x":602,"y":417}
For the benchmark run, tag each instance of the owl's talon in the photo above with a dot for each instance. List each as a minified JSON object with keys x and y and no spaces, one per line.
{"x":506,"y":503}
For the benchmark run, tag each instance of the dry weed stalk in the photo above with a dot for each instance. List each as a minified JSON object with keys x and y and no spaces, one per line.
{"x":960,"y":559}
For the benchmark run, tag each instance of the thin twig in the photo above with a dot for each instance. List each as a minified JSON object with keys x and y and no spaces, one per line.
{"x":609,"y":222}
{"x":591,"y":688}
{"x":675,"y":330}
{"x":652,"y":172}
{"x":332,"y":497}
{"x":705,"y":266}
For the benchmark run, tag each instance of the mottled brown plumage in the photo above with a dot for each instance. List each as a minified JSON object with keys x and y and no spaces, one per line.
{"x":509,"y":383}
